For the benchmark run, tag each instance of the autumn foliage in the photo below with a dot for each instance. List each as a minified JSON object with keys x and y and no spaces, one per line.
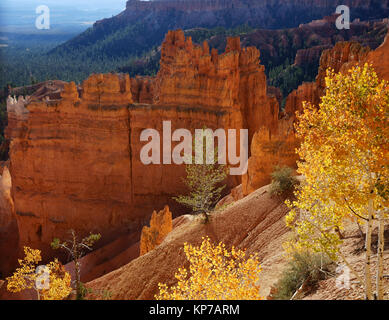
{"x":51,"y":282}
{"x":345,"y":162}
{"x":214,"y":273}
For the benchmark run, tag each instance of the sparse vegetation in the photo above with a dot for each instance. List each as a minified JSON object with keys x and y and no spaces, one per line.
{"x":204,"y":182}
{"x":76,"y":249}
{"x":283,"y":180}
{"x":304,"y":271}
{"x":94,"y":294}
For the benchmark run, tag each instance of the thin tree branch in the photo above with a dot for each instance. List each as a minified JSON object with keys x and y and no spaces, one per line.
{"x":352,"y":210}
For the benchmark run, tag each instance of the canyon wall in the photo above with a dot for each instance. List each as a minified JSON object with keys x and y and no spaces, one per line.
{"x":9,"y":236}
{"x":271,"y":147}
{"x":379,"y":58}
{"x":75,"y":162}
{"x":341,"y":58}
{"x":74,"y":153}
{"x":264,"y":13}
{"x":75,"y":157}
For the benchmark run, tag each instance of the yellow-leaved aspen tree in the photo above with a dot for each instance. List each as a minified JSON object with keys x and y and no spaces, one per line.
{"x":345,"y":163}
{"x":215,"y":273}
{"x":50,"y":282}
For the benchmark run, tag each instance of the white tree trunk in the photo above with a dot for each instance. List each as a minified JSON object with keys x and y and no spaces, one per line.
{"x":380,"y":256}
{"x":369,"y":227}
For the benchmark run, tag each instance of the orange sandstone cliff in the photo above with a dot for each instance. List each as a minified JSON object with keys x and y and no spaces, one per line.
{"x":255,"y":222}
{"x":74,"y":155}
{"x":340,"y":58}
{"x":276,"y":146}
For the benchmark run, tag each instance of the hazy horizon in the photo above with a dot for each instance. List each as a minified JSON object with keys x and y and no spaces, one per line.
{"x":65,"y":16}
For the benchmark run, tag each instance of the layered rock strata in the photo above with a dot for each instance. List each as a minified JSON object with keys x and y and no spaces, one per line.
{"x":75,"y":159}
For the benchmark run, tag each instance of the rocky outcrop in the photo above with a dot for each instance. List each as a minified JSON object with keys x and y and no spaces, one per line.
{"x":142,"y":89}
{"x":306,"y":92}
{"x":160,"y":226}
{"x":9,"y":237}
{"x":309,"y":56}
{"x":268,"y":150}
{"x":341,"y":58}
{"x":379,"y":58}
{"x":75,"y":159}
{"x":230,"y":82}
{"x":277,"y":147}
{"x":192,"y":75}
{"x":51,"y":88}
{"x":69,"y":162}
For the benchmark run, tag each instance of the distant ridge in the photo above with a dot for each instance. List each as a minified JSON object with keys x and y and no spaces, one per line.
{"x":143,"y":24}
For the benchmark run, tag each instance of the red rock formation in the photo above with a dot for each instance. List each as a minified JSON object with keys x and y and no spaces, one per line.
{"x":308,"y":56}
{"x":275,"y":145}
{"x":190,"y":75}
{"x":269,"y":149}
{"x":231,"y":82}
{"x":9,"y":237}
{"x":50,"y":88}
{"x":84,"y":170}
{"x":78,"y":173}
{"x":305,"y":92}
{"x":379,"y":58}
{"x":142,"y":89}
{"x":160,"y":225}
{"x":340,"y":58}
{"x":74,"y":159}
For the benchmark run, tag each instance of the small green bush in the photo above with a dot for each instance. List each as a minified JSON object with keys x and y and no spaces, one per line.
{"x":308,"y":268}
{"x":282,"y":180}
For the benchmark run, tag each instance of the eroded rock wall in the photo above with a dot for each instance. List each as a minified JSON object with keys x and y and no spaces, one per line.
{"x":340,"y":58}
{"x":271,"y":147}
{"x":75,"y":159}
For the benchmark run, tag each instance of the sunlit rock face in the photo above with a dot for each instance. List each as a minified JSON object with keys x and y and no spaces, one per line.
{"x":9,"y":236}
{"x":160,"y":226}
{"x":341,"y":58}
{"x":75,"y":157}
